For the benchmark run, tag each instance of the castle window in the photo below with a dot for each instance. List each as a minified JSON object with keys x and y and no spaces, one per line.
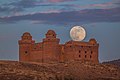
{"x":90,"y":56}
{"x":26,"y":52}
{"x":70,"y":46}
{"x":85,"y":51}
{"x":85,"y":56}
{"x":79,"y":51}
{"x":91,"y":52}
{"x":79,"y":56}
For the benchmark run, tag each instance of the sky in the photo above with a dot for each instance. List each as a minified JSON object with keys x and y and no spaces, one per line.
{"x":100,"y":18}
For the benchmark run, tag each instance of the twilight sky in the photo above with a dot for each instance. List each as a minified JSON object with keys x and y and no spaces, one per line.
{"x":100,"y":18}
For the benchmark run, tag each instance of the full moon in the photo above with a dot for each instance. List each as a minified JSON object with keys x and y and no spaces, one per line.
{"x":77,"y":33}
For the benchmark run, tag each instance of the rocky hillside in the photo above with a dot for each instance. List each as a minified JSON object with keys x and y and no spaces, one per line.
{"x":114,"y":62}
{"x":13,"y":70}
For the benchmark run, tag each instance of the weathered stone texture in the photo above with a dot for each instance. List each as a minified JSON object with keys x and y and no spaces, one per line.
{"x":49,"y":50}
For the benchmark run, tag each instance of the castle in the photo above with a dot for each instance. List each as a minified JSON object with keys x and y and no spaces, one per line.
{"x":49,"y":50}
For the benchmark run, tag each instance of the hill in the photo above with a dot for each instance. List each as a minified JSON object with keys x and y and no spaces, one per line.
{"x":114,"y":62}
{"x":13,"y":70}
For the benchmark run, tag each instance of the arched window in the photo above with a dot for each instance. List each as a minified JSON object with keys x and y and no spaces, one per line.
{"x":85,"y":51}
{"x":85,"y":56}
{"x":79,"y":56}
{"x":79,"y":51}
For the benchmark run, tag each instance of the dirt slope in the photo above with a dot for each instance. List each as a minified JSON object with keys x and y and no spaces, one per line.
{"x":13,"y":70}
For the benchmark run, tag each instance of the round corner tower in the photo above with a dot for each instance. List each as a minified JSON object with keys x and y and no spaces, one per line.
{"x":94,"y":49}
{"x":24,"y":46}
{"x":51,"y":47}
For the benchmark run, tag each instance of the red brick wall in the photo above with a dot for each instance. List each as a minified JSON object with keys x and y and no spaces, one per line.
{"x":51,"y":51}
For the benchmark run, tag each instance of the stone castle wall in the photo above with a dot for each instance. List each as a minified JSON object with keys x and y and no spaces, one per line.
{"x":49,"y":50}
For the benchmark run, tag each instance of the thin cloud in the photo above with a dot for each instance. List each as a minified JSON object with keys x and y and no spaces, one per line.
{"x":21,"y":5}
{"x":7,"y":9}
{"x":104,"y":5}
{"x":86,"y":16}
{"x":4,"y":9}
{"x":35,"y":3}
{"x":100,"y":5}
{"x":24,"y":3}
{"x":56,"y":1}
{"x":18,"y":6}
